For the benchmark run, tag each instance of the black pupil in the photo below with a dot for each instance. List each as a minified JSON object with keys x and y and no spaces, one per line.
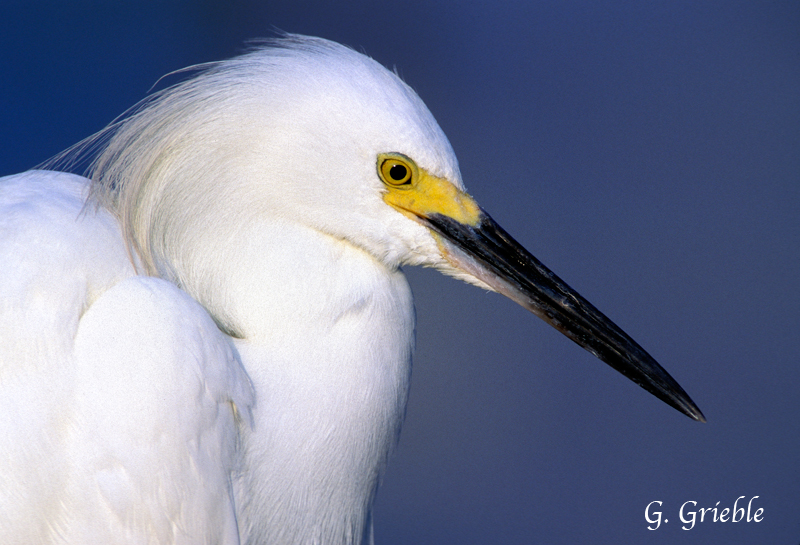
{"x":398,"y":172}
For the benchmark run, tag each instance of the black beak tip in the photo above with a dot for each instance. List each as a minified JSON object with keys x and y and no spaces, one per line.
{"x":691,"y":410}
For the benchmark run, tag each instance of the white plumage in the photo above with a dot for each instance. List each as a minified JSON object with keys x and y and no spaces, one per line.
{"x":210,"y":342}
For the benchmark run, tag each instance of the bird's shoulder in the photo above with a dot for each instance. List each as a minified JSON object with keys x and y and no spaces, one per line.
{"x":120,"y":399}
{"x":56,"y":257}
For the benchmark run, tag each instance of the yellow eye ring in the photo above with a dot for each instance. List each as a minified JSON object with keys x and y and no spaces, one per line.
{"x":396,"y":169}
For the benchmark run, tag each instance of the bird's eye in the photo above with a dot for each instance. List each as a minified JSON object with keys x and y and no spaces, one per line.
{"x":396,"y":170}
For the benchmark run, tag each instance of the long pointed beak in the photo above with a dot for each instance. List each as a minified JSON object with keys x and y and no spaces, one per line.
{"x":488,"y":253}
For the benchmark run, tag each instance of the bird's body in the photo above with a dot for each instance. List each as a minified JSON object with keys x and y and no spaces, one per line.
{"x":210,"y":342}
{"x":130,"y":375}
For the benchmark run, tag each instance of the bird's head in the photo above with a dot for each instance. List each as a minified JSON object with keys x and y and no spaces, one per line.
{"x":310,"y":132}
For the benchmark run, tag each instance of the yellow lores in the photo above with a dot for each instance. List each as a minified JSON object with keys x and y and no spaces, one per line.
{"x":416,"y":193}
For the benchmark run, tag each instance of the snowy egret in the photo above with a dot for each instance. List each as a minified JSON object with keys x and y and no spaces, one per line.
{"x":210,"y":341}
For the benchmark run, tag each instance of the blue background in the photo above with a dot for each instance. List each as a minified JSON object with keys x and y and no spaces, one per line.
{"x":648,"y":152}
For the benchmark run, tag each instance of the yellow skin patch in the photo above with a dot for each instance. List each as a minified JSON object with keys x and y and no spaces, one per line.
{"x":420,"y":194}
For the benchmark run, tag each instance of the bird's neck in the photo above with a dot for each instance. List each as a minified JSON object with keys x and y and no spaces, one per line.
{"x":327,"y":346}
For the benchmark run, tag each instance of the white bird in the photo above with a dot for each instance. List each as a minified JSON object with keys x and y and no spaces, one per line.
{"x":209,"y":340}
